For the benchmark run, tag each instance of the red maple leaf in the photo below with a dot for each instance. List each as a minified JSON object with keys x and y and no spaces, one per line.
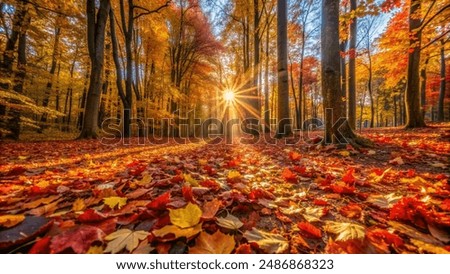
{"x":348,"y":177}
{"x":410,"y":209}
{"x":288,"y":175}
{"x":91,"y":215}
{"x":310,"y":230}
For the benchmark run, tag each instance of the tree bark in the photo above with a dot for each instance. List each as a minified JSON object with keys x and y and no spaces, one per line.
{"x":441,"y":103}
{"x":96,"y":25}
{"x":414,"y":117}
{"x":351,"y":97}
{"x":284,"y":123}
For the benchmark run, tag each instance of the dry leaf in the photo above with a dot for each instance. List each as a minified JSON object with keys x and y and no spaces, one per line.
{"x":217,"y":243}
{"x":177,"y":231}
{"x":191,"y":181}
{"x":428,"y":248}
{"x":385,"y":202}
{"x":124,"y":238}
{"x":78,"y":205}
{"x":186,"y":217}
{"x":11,"y":220}
{"x":230,"y":222}
{"x":269,"y":242}
{"x":234,"y":175}
{"x":345,"y":231}
{"x":114,"y":201}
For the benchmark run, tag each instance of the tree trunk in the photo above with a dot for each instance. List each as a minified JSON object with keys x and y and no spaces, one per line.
{"x":266,"y":84}
{"x":423,"y":86}
{"x":441,"y":103}
{"x":337,"y":129}
{"x":370,"y":89}
{"x":351,"y":97}
{"x":96,"y":43}
{"x":284,"y":123}
{"x":414,"y":117}
{"x":52,"y":71}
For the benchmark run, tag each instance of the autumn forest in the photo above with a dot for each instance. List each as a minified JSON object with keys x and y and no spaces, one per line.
{"x":231,"y":127}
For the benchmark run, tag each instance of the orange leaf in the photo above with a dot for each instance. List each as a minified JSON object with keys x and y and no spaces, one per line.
{"x":288,"y":175}
{"x":310,"y":230}
{"x":210,"y":209}
{"x":217,"y":243}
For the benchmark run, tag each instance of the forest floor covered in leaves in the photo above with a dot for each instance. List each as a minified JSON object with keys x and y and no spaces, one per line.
{"x":87,"y":197}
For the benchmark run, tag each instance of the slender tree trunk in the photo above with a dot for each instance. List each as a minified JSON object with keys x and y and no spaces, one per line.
{"x":370,"y":89}
{"x":351,"y":97}
{"x":423,"y":87}
{"x":266,"y":84}
{"x":414,"y":117}
{"x":53,"y":67}
{"x":284,"y":123}
{"x":441,"y":103}
{"x":96,"y":25}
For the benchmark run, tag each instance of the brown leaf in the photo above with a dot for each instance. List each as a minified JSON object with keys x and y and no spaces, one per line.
{"x":217,"y":243}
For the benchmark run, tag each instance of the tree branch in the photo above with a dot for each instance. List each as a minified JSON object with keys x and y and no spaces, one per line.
{"x":424,"y":24}
{"x":147,"y":11}
{"x":435,"y":39}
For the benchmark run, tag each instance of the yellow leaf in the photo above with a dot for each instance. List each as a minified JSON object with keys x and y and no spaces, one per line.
{"x":146,"y":179}
{"x":78,"y":205}
{"x":344,"y":153}
{"x":191,"y":181}
{"x":269,"y":242}
{"x":95,"y":250}
{"x":11,"y":220}
{"x":186,"y":217}
{"x":124,"y":238}
{"x":178,"y":232}
{"x":345,"y":231}
{"x":114,"y":201}
{"x":202,"y":162}
{"x":218,"y":243}
{"x":429,"y":248}
{"x":234,"y":175}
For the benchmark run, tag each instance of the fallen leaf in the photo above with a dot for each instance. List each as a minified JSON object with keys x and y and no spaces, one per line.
{"x":288,"y":175}
{"x":177,"y":231}
{"x":234,"y":175}
{"x":244,"y":249}
{"x":186,"y":217}
{"x":11,"y":220}
{"x":189,"y":180}
{"x":160,"y":203}
{"x":397,"y":161}
{"x":269,"y":242}
{"x":428,"y":248}
{"x":217,"y":243}
{"x":79,"y":239}
{"x":78,"y":205}
{"x":210,"y":209}
{"x":124,"y":239}
{"x":230,"y":222}
{"x":345,"y":231}
{"x":95,"y":249}
{"x":384,"y":201}
{"x":351,"y":210}
{"x":114,"y":201}
{"x":310,"y":230}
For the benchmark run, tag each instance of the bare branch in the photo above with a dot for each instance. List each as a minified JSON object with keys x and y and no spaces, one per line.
{"x":147,"y":11}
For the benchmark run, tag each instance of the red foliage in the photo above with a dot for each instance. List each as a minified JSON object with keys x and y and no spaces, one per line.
{"x":348,"y":177}
{"x":351,"y":210}
{"x":381,"y":237}
{"x":342,"y":189}
{"x":211,"y":184}
{"x":410,"y":209}
{"x":78,"y":240}
{"x":259,"y":193}
{"x":288,"y":175}
{"x":320,"y":202}
{"x":187,"y":194}
{"x":160,"y":203}
{"x":90,"y":216}
{"x":294,"y":156}
{"x":310,"y":230}
{"x":244,"y":249}
{"x":42,"y":246}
